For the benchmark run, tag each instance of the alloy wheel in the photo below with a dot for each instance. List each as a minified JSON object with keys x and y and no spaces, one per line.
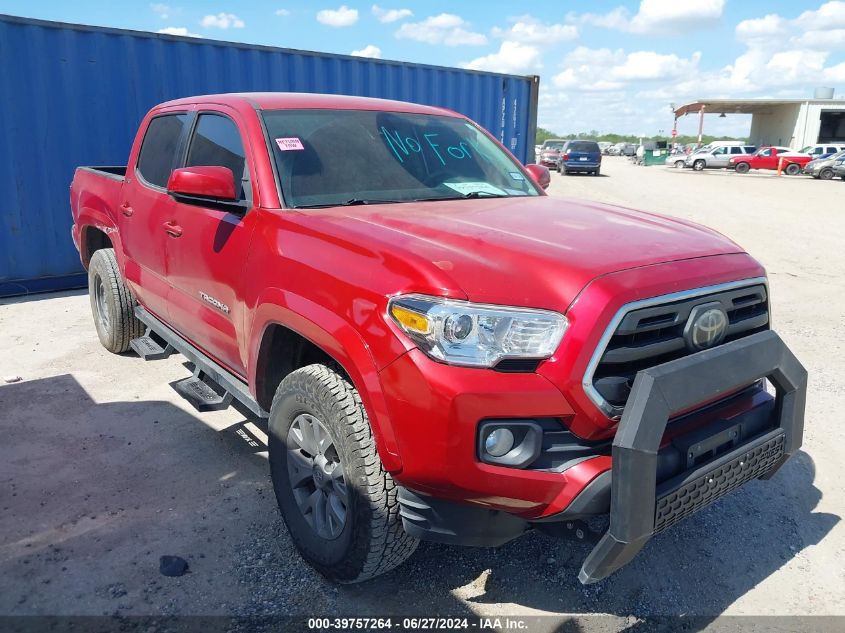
{"x":317,"y":477}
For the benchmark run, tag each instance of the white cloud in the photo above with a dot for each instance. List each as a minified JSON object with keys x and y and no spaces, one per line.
{"x":530,"y":30}
{"x":821,"y":30}
{"x":664,"y":17}
{"x":835,"y":74}
{"x":446,"y":28}
{"x":161,"y":10}
{"x":604,"y":69}
{"x":342,"y":16}
{"x":761,"y":29}
{"x":282,"y":13}
{"x":648,"y":65}
{"x":368,"y":51}
{"x":512,"y":57}
{"x":387,"y":16}
{"x":222,"y":21}
{"x":830,"y":15}
{"x":178,"y":30}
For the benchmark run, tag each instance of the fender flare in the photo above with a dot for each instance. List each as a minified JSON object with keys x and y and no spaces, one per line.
{"x":342,"y":342}
{"x":89,"y":218}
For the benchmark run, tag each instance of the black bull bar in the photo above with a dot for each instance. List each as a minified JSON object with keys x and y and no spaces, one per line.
{"x":639,"y":508}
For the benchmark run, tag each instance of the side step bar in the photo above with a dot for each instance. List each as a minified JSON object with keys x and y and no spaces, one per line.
{"x":151,"y":346}
{"x":209,"y":377}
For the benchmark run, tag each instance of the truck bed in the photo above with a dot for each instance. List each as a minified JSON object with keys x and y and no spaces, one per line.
{"x":95,"y":194}
{"x":117,"y":172}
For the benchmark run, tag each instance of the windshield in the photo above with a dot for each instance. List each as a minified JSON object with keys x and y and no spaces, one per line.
{"x":343,"y":157}
{"x":554,"y":144}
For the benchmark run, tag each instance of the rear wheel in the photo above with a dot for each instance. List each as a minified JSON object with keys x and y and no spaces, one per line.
{"x":793,"y":169}
{"x":338,"y":502}
{"x":742,"y":168}
{"x":112,"y":303}
{"x":563,"y":171}
{"x":679,"y":164}
{"x":698,"y":165}
{"x":826,"y":174}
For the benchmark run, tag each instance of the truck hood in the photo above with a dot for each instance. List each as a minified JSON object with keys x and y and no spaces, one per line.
{"x":534,"y":251}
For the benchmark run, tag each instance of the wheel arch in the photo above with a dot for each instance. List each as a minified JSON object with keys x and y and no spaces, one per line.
{"x":285,"y":323}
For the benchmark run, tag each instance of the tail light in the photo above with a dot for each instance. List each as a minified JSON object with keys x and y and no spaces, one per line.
{"x":566,"y":156}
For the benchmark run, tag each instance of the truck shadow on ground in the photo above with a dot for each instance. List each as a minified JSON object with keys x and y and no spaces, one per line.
{"x":698,"y":568}
{"x":92,"y":495}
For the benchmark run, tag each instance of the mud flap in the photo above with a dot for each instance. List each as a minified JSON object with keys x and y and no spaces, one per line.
{"x":638,"y":508}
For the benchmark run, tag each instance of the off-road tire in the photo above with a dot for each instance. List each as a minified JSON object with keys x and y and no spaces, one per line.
{"x":372,"y":540}
{"x":110,"y":296}
{"x":742,"y":168}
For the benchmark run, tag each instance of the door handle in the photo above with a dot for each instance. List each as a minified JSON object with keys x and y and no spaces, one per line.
{"x":126,"y":209}
{"x":173,"y":230}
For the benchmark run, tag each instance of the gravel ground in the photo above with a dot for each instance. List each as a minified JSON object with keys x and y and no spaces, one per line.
{"x":103,"y":469}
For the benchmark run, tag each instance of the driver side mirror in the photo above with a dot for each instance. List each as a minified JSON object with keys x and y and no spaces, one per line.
{"x":540,"y":174}
{"x":216,"y":183}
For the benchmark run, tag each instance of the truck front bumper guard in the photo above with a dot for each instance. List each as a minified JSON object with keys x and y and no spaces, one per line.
{"x":639,"y":508}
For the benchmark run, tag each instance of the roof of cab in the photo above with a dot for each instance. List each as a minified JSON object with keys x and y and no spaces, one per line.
{"x":307,"y":100}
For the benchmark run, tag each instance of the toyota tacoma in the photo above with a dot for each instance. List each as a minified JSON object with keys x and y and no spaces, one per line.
{"x":441,"y":350}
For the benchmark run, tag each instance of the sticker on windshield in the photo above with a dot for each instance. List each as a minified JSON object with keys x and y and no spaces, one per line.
{"x":289,"y":143}
{"x":464,"y":188}
{"x":516,"y":175}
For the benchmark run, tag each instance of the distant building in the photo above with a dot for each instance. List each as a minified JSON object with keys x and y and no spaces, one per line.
{"x":795,"y":123}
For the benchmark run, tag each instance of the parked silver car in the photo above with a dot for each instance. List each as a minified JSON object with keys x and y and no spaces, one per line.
{"x":676,"y":159}
{"x":822,"y":168}
{"x":717,"y":157}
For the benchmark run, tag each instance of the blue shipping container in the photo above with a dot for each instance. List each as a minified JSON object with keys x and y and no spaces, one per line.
{"x":74,"y":95}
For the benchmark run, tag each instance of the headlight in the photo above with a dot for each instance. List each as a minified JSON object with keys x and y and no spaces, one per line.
{"x":475,"y":335}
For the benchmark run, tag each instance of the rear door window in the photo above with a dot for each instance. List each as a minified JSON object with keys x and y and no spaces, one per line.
{"x":217,"y":143}
{"x":155,"y":160}
{"x":736,"y":150}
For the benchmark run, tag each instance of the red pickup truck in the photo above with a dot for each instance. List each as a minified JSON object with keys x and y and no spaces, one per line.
{"x":442,"y":350}
{"x":790,"y":161}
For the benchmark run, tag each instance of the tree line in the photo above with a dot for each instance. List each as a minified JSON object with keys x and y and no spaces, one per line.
{"x":684,"y":139}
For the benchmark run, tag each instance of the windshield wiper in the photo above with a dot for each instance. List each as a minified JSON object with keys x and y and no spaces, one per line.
{"x":483,"y":194}
{"x":350,"y":203}
{"x":466,"y":196}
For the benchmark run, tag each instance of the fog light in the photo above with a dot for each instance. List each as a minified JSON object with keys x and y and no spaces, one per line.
{"x":499,"y":442}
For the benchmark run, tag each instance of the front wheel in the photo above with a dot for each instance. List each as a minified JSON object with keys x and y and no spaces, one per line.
{"x":679,"y":164}
{"x":698,"y":165}
{"x":338,"y":502}
{"x":826,"y":174}
{"x":112,"y":303}
{"x":742,"y":168}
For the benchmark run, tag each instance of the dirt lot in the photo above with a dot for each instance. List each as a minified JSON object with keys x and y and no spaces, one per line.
{"x":103,"y":468}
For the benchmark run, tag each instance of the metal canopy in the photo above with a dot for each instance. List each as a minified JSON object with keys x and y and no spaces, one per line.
{"x":746,"y":106}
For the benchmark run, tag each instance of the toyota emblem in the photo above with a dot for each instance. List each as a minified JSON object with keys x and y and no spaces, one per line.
{"x":706,"y":327}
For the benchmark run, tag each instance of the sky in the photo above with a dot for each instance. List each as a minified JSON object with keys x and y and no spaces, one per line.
{"x":605,"y":65}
